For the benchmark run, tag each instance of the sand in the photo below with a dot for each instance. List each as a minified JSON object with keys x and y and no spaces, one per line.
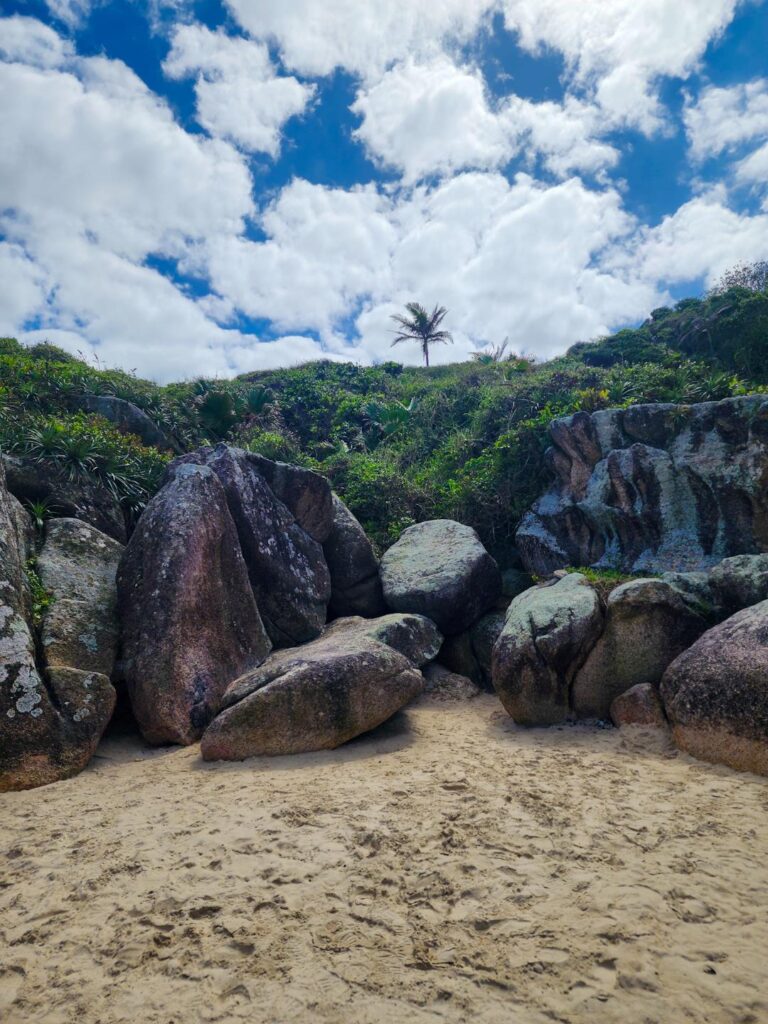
{"x":449,"y":867}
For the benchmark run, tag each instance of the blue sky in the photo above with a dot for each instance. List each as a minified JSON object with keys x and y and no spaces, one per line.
{"x":213,"y":187}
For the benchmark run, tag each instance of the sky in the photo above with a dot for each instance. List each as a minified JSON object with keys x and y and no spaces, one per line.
{"x":212,"y":187}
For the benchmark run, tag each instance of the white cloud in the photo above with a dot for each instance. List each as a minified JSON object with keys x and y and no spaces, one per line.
{"x":436,"y":118}
{"x":239,"y":95}
{"x":362,"y":37}
{"x":22,"y":288}
{"x":620,"y":47}
{"x":31,"y":42}
{"x":753,"y":169}
{"x":71,"y":12}
{"x":702,"y":239}
{"x":721,"y":119}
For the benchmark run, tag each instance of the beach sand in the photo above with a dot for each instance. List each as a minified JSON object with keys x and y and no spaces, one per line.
{"x":448,"y":867}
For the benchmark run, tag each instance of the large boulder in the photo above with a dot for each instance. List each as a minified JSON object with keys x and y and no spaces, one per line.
{"x":314,"y":697}
{"x":442,"y":684}
{"x":78,"y":567}
{"x":653,"y":488}
{"x":128,"y":418}
{"x":286,"y":565}
{"x":306,"y":494}
{"x":75,"y":498}
{"x":49,"y":724}
{"x":484,"y":635}
{"x":547,"y":635}
{"x":189,"y":620}
{"x":354,"y":567}
{"x":647,"y":624}
{"x":457,"y":655}
{"x":414,"y":636}
{"x":441,"y":569}
{"x":716,"y":693}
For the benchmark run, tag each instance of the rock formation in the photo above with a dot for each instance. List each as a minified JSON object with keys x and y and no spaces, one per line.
{"x":354,"y":567}
{"x":441,"y":570}
{"x":314,"y":697}
{"x":189,"y":620}
{"x":641,"y":706}
{"x":716,"y":693}
{"x":653,"y":488}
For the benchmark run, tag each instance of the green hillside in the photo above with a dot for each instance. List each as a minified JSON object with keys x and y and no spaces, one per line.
{"x":399,"y":444}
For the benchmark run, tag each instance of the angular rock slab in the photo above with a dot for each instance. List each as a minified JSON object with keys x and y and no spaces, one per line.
{"x":286,"y":566}
{"x":547,"y":635}
{"x":78,"y":567}
{"x":653,"y":488}
{"x":49,"y":726}
{"x":314,"y":697}
{"x":639,"y":706}
{"x":716,"y":693}
{"x":416,"y":637}
{"x":354,"y":567}
{"x":647,"y":624}
{"x":740,"y":582}
{"x":441,"y":569}
{"x":189,"y":620}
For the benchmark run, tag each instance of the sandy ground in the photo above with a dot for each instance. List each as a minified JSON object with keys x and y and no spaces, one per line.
{"x":448,"y":867}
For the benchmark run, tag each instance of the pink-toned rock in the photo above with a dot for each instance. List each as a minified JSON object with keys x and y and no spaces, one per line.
{"x":641,"y":705}
{"x":189,"y":621}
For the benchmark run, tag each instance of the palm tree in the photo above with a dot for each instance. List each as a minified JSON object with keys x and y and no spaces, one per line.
{"x":421,"y":326}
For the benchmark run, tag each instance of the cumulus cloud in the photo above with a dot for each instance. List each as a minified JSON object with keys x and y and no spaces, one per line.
{"x":619,"y":48}
{"x":31,"y":42}
{"x":722,"y":119}
{"x":314,"y":38}
{"x":22,"y":288}
{"x":435,"y":117}
{"x":240,"y":96}
{"x":71,"y":12}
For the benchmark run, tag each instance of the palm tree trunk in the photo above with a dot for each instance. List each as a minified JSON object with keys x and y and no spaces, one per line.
{"x":425,"y":346}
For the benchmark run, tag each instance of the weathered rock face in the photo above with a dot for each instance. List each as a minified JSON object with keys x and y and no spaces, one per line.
{"x":314,"y":697}
{"x":128,"y":418}
{"x":740,"y":582}
{"x":286,"y":566}
{"x":78,"y":567}
{"x":547,"y":635}
{"x":414,"y":636}
{"x":639,"y":706}
{"x":647,"y":624}
{"x":307,"y":495}
{"x":76,"y":499}
{"x":441,"y":570}
{"x":189,"y":621}
{"x":354,"y":567}
{"x":716,"y":693}
{"x":653,"y":488}
{"x":49,"y":724}
{"x":484,"y":635}
{"x":442,"y":684}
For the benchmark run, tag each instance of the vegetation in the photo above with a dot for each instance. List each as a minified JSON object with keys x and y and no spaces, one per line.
{"x":423,"y":327}
{"x":463,"y":441}
{"x":40,"y":598}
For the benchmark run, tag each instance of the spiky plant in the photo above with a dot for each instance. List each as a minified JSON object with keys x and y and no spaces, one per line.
{"x":421,"y":326}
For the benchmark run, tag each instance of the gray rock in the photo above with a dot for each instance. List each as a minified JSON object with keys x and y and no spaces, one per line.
{"x":441,"y":684}
{"x":286,"y":566}
{"x":441,"y":570}
{"x":76,"y":499}
{"x":354,"y":567}
{"x":189,"y":620}
{"x":653,"y":488}
{"x":547,"y":635}
{"x":647,"y":624}
{"x":716,"y":693}
{"x":314,"y":697}
{"x":49,"y":726}
{"x":414,"y":636}
{"x":740,"y":582}
{"x":514,"y":582}
{"x":128,"y":419}
{"x":639,"y":706}
{"x":457,"y":655}
{"x":78,"y":567}
{"x":483,"y":636}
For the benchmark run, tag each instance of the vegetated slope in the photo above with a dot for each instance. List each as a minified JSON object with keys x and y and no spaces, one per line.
{"x":400,"y":444}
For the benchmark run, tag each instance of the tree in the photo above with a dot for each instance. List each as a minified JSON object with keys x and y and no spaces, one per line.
{"x":753,"y":276}
{"x":421,"y":326}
